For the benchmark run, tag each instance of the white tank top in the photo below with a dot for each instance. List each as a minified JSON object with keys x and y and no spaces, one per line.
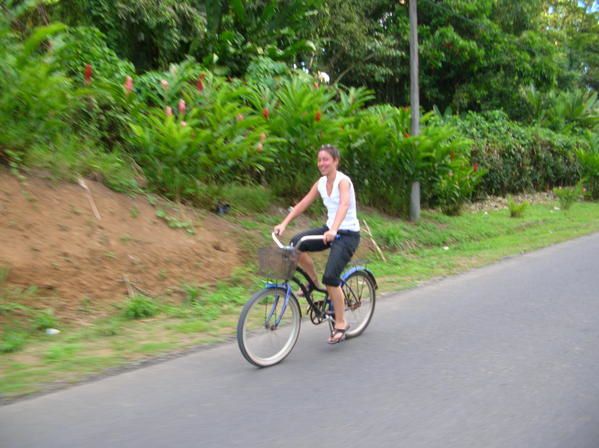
{"x":350,"y":222}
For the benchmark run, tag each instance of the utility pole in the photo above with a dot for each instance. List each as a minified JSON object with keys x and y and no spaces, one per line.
{"x":414,"y":103}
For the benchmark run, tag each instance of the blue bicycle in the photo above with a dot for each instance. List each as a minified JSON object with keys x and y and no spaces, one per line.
{"x":269,"y":324}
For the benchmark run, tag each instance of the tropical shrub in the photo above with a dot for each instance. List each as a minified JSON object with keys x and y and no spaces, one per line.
{"x":516,"y":209}
{"x":268,"y":73}
{"x":456,"y":186}
{"x":108,"y":100}
{"x":35,"y":97}
{"x":375,"y":157}
{"x":83,"y":45}
{"x":301,"y":117}
{"x":183,"y":80}
{"x":566,"y":112}
{"x":213,"y":138}
{"x":553,"y":159}
{"x":567,"y":195}
{"x":384,"y":160}
{"x":519,"y":158}
{"x":441,"y":163}
{"x":45,"y":115}
{"x":589,"y":162}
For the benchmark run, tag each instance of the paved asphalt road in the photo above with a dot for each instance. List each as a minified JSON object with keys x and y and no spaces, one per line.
{"x":505,"y":356}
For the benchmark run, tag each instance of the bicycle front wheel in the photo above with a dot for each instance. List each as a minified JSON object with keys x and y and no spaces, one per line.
{"x":267,"y":329}
{"x":360,"y":297}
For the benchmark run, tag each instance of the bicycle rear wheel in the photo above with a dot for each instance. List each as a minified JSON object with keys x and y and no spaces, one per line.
{"x":360,"y":298}
{"x":267,"y":330}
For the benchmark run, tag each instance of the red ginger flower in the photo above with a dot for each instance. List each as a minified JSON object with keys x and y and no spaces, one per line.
{"x":87,"y":74}
{"x":265,"y":113}
{"x":317,"y":116}
{"x":200,"y":83}
{"x":128,"y":85}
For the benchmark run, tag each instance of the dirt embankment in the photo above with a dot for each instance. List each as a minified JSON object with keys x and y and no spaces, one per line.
{"x":51,"y":238}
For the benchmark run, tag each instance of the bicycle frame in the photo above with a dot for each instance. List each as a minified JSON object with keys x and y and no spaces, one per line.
{"x":308,"y":286}
{"x":287,"y":286}
{"x":276,"y":302}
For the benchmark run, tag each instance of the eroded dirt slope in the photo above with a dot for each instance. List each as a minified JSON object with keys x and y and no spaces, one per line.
{"x":51,"y":238}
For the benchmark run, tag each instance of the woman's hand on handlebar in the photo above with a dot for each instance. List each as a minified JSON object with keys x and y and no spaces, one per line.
{"x":329,"y":236}
{"x":279,"y":229}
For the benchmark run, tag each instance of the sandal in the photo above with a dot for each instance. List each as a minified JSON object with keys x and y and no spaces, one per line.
{"x":338,"y":335}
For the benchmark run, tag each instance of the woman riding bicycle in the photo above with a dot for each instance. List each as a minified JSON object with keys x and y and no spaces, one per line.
{"x":341,"y":233}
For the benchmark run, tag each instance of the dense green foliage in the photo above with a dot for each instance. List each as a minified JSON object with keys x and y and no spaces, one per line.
{"x":150,"y":33}
{"x":589,"y":161}
{"x":220,"y":33}
{"x":35,"y":99}
{"x":473,"y":55}
{"x":71,"y":100}
{"x":520,"y":158}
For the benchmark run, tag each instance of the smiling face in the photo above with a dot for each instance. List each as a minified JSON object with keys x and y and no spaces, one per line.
{"x":326,"y":163}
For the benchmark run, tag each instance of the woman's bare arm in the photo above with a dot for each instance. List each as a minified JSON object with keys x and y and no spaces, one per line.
{"x":299,"y":208}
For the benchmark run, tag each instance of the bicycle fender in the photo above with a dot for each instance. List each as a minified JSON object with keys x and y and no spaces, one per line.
{"x":270,"y":285}
{"x":368,"y":272}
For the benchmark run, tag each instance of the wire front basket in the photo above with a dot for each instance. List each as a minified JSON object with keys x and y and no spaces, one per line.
{"x":277,"y":263}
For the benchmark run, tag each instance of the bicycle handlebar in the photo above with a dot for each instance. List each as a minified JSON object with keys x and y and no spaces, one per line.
{"x":302,"y":239}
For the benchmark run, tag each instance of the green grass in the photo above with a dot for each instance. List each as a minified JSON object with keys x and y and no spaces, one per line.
{"x":175,"y":223}
{"x":12,"y":341}
{"x":477,"y":239}
{"x":245,"y":199}
{"x":144,"y":327}
{"x":72,"y":159}
{"x":140,"y":307}
{"x":62,"y":352}
{"x":191,"y":326}
{"x":44,"y":320}
{"x":154,"y":347}
{"x":3,"y":274}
